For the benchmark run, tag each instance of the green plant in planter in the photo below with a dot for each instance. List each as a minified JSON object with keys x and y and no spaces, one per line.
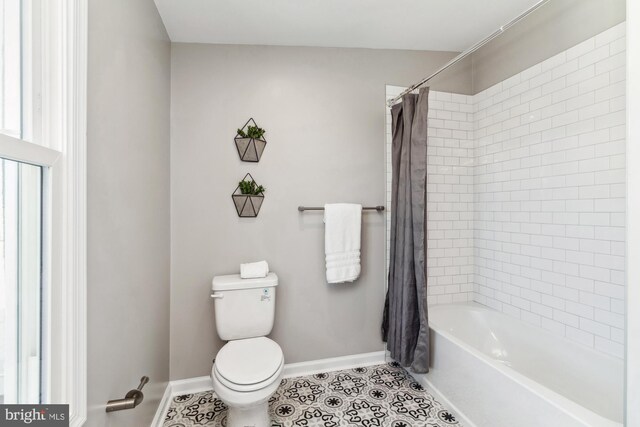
{"x":251,"y":188}
{"x":250,"y":141}
{"x":254,"y":132}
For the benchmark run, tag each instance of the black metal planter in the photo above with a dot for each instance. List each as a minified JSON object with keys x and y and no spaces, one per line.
{"x":247,"y":205}
{"x":250,"y":149}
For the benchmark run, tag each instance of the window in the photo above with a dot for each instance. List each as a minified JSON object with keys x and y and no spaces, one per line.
{"x":21,"y":287}
{"x":42,"y":195}
{"x":21,"y":237}
{"x":10,"y":67}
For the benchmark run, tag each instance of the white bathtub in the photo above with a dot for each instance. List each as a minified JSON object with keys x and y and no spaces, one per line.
{"x":500,"y":371}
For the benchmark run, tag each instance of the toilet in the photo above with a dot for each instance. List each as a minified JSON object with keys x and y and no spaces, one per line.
{"x":247,"y":370}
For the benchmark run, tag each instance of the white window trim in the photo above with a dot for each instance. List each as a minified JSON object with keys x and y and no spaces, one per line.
{"x":21,"y":151}
{"x":64,"y":123}
{"x":63,"y":151}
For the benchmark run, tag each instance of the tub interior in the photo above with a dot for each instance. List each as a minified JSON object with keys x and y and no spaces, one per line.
{"x":589,"y":378}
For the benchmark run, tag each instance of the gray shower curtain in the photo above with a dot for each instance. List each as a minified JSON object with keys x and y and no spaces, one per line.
{"x":404,"y":325}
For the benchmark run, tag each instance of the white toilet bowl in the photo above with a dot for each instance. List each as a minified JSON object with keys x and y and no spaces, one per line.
{"x":246,"y":373}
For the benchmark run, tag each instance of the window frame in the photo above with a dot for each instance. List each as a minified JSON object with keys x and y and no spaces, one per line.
{"x":61,"y":152}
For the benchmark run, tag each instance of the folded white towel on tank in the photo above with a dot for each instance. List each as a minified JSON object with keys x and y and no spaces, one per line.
{"x":254,"y":270}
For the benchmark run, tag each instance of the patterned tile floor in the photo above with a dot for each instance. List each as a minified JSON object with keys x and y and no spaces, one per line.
{"x":372,"y":396}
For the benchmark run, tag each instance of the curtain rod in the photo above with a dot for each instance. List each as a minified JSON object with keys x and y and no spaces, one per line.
{"x":469,"y":51}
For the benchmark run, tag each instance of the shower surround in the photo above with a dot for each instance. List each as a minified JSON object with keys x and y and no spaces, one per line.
{"x":449,"y":195}
{"x":526,"y":192}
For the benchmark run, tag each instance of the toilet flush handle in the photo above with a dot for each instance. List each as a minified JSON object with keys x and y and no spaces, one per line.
{"x":215,"y":295}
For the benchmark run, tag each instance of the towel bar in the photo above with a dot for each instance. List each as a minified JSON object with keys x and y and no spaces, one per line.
{"x":319,"y":208}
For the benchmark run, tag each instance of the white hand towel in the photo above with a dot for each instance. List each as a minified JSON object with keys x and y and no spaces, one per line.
{"x":342,"y":241}
{"x":254,"y":270}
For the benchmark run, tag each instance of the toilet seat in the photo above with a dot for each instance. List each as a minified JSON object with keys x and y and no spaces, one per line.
{"x":249,"y":364}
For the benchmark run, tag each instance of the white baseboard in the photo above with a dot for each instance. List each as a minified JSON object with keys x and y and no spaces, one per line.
{"x":200,"y":384}
{"x":176,"y":388}
{"x":163,"y":407}
{"x":424,"y":382}
{"x":191,"y":385}
{"x":333,"y":364}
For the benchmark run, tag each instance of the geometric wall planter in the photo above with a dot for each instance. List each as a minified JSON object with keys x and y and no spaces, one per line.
{"x":249,"y":202}
{"x":250,"y":142}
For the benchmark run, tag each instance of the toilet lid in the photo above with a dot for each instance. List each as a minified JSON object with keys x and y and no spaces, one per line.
{"x":249,"y":361}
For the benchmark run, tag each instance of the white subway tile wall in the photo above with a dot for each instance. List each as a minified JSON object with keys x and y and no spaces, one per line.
{"x":526,"y":194}
{"x":549,"y":191}
{"x":449,"y":195}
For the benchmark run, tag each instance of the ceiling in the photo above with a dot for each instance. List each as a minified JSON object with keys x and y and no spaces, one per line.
{"x":448,"y":25}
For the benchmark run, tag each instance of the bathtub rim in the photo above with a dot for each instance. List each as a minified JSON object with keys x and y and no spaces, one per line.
{"x":564,"y":404}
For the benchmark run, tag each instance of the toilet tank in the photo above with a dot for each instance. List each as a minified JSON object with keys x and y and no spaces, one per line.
{"x":244,"y":308}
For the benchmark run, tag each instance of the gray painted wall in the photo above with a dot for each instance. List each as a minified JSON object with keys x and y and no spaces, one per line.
{"x":555,"y":27}
{"x":128,"y":207}
{"x":324,"y":113}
